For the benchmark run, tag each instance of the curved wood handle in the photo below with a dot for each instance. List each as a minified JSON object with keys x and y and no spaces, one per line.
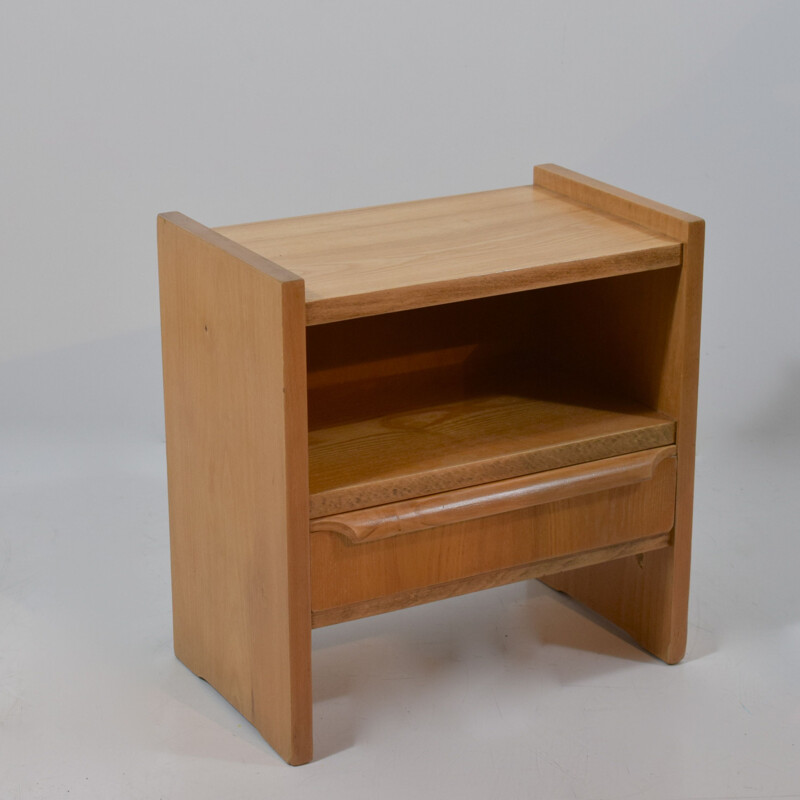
{"x":445,"y":508}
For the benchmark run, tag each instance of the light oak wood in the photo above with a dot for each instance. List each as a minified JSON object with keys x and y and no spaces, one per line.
{"x":656,"y":217}
{"x":377,"y":408}
{"x":388,"y":258}
{"x":470,"y":442}
{"x":649,"y":597}
{"x":487,"y":499}
{"x":488,"y":580}
{"x":237,"y":459}
{"x":343,"y":573}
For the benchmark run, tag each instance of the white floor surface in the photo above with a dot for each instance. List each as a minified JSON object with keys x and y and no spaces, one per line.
{"x":508,"y":693}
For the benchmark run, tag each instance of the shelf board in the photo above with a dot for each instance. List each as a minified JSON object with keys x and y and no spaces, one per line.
{"x":473,"y":441}
{"x":390,"y":258}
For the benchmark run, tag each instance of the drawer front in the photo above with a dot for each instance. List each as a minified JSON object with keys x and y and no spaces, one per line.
{"x":347,"y":570}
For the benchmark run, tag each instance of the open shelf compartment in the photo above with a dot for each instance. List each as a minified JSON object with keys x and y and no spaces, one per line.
{"x":431,"y":400}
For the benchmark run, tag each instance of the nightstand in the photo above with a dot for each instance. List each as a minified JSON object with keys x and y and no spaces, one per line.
{"x":382,"y":407}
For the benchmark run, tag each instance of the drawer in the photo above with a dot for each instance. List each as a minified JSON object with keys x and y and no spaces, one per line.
{"x":397,"y":548}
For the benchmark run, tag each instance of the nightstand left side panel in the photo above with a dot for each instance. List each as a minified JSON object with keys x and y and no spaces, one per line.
{"x":233,"y":343}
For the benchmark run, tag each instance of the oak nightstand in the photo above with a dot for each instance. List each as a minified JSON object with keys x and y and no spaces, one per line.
{"x":377,"y":408}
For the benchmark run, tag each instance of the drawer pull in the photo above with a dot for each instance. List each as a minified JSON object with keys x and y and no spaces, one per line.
{"x":474,"y":502}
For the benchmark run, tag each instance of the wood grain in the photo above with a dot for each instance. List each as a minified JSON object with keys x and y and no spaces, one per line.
{"x":343,"y":573}
{"x":496,"y":386}
{"x":487,"y":499}
{"x":235,"y":399}
{"x":436,"y":449}
{"x":649,"y":597}
{"x":407,"y":255}
{"x":488,"y":580}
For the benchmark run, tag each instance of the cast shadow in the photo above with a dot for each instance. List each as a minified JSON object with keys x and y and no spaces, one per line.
{"x":525,"y":632}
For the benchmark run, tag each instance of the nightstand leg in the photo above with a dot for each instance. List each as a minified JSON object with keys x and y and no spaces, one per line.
{"x":647,"y":595}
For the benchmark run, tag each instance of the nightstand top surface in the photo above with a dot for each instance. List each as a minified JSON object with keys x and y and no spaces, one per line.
{"x":427,"y":252}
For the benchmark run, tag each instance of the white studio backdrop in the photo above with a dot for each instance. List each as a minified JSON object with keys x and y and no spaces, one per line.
{"x":237,"y":111}
{"x":231,"y":112}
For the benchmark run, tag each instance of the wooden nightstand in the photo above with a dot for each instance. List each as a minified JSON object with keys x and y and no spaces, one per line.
{"x":377,"y":408}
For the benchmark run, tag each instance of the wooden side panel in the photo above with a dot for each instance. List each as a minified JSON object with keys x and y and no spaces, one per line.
{"x":656,"y":217}
{"x":233,"y":333}
{"x":649,"y":595}
{"x":344,"y":573}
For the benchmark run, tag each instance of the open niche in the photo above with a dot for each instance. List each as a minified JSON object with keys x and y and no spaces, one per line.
{"x":418,"y":402}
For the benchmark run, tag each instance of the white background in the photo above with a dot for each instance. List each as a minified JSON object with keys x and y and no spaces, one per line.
{"x":238,"y":111}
